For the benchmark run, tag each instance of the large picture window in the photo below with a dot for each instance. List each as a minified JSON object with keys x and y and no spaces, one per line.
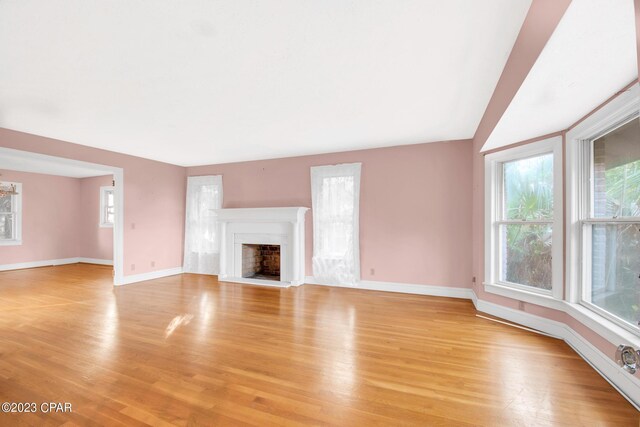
{"x":11,"y":214}
{"x":610,"y":231}
{"x":524,"y":214}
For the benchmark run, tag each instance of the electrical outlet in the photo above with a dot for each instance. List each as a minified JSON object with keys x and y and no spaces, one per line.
{"x":373,"y":271}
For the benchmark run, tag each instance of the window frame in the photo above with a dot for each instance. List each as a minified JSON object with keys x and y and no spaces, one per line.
{"x":16,"y":210}
{"x":580,"y":218}
{"x":103,"y":205}
{"x":494,"y":166}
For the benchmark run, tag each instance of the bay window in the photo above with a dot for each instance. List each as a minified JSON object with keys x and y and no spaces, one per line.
{"x":609,"y":222}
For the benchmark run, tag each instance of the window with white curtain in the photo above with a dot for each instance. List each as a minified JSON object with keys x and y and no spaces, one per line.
{"x":335,"y":192}
{"x":202,"y":232}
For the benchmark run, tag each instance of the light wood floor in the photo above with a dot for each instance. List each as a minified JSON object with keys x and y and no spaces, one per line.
{"x":187,"y":350}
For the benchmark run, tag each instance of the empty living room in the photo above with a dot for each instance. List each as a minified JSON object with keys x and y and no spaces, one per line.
{"x":320,"y":212}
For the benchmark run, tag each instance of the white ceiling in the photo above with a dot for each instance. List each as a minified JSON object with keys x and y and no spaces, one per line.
{"x":590,"y":56}
{"x":199,"y":81}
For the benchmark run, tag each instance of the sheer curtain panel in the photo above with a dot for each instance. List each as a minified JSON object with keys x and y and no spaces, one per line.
{"x":202,"y":232}
{"x":335,"y":192}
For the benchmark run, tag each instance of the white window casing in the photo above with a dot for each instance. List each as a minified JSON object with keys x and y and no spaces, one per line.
{"x":494,"y":220}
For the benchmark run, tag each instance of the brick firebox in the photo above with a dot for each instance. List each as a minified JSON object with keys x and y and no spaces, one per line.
{"x":261,"y":261}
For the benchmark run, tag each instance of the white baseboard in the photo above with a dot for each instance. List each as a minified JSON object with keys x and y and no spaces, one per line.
{"x":34,"y":264}
{"x":405,"y":288}
{"x":126,"y":280}
{"x":96,"y":261}
{"x":628,"y":385}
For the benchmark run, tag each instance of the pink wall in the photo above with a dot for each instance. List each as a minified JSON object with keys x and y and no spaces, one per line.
{"x":415,"y":204}
{"x":51,"y":210}
{"x":94,"y":241}
{"x":154,"y":195}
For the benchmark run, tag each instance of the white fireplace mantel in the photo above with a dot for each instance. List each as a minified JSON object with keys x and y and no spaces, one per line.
{"x":273,"y":226}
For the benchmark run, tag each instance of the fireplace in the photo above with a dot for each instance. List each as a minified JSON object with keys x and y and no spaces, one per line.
{"x":261,"y":261}
{"x":262,"y":246}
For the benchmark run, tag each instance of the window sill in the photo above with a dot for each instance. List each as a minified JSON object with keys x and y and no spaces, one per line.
{"x":106,"y":225}
{"x":10,"y":242}
{"x":602,"y":326}
{"x":531,"y":297}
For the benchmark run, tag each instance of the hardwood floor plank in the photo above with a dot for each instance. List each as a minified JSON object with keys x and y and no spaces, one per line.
{"x":188,"y":350}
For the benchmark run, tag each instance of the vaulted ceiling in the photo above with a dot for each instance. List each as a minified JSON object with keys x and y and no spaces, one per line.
{"x":199,"y":81}
{"x":590,"y":56}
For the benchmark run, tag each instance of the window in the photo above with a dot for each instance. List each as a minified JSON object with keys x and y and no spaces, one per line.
{"x":11,"y":215}
{"x":523,"y":216}
{"x":610,"y":223}
{"x":335,"y":199}
{"x":107,"y":207}
{"x":202,"y":232}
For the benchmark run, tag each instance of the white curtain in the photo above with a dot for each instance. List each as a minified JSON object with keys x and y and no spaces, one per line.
{"x":202,"y":231}
{"x":335,"y":192}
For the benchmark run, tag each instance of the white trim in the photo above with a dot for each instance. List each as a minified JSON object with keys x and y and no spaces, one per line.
{"x":118,"y":177}
{"x":96,"y":261}
{"x":532,"y":297}
{"x":405,"y":288}
{"x":493,"y":179}
{"x":12,"y":242}
{"x":628,"y":385}
{"x":126,"y":280}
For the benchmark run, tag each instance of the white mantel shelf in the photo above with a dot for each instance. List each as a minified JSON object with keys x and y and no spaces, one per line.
{"x":274,"y":226}
{"x":293,"y":214}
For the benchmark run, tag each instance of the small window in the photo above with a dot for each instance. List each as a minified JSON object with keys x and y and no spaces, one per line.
{"x":107,"y":207}
{"x":10,"y":213}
